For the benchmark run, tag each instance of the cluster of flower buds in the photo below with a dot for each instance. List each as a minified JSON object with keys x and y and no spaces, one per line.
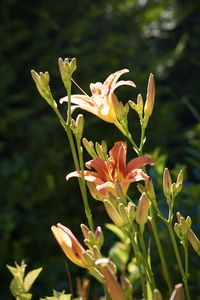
{"x":67,"y":68}
{"x":145,"y":110}
{"x":42,"y":84}
{"x":120,"y":214}
{"x":97,"y":150}
{"x":171,"y":190}
{"x":184,"y":231}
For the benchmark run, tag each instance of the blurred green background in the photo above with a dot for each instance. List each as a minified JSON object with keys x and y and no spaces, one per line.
{"x":144,"y":36}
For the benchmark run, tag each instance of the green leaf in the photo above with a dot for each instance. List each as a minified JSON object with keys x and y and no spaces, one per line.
{"x":30,"y":278}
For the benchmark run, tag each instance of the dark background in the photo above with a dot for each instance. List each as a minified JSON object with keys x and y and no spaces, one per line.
{"x":161,"y":37}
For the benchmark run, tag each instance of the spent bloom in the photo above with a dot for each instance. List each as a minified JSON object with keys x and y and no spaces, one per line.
{"x":69,"y":244}
{"x":103,"y":102}
{"x":114,"y":175}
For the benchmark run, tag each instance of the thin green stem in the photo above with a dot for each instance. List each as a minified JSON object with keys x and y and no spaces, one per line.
{"x":160,"y":250}
{"x":138,"y":260}
{"x":69,"y":103}
{"x":178,"y":258}
{"x":145,"y":258}
{"x":141,"y":138}
{"x":84,"y":190}
{"x":185,"y":246}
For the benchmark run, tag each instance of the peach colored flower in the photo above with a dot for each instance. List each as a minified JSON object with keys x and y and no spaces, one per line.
{"x":103,"y":102}
{"x":69,"y":244}
{"x":113,"y":174}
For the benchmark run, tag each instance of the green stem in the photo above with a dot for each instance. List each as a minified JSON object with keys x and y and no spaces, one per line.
{"x":141,"y":138}
{"x":185,"y":246}
{"x":77,"y":167}
{"x":160,"y":250}
{"x":146,"y":263}
{"x":178,"y":258}
{"x":84,"y":190}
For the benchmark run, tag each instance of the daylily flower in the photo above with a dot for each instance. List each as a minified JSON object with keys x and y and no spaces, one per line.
{"x":103,"y":102}
{"x":113,"y":175}
{"x":69,"y":244}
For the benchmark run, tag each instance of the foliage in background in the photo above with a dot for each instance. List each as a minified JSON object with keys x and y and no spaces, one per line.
{"x":145,"y":36}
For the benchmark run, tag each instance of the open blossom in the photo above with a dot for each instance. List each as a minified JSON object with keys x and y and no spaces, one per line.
{"x":69,"y":244}
{"x":103,"y":102}
{"x":113,"y":174}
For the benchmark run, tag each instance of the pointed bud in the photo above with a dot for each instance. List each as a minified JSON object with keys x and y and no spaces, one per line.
{"x":113,"y":214}
{"x":157,"y":295}
{"x":84,"y":230}
{"x":149,"y":104}
{"x":42,"y":83}
{"x":123,"y":213}
{"x":96,"y":252}
{"x":131,"y":209}
{"x":177,"y":230}
{"x":89,"y":258}
{"x":167,"y":183}
{"x":142,"y":210}
{"x":89,"y":146}
{"x":178,"y":293}
{"x":194,"y":241}
{"x":80,"y":125}
{"x":141,"y":188}
{"x":67,"y":68}
{"x":99,"y":237}
{"x":151,"y":192}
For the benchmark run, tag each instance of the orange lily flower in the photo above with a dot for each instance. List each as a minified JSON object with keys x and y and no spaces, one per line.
{"x":69,"y":244}
{"x":113,"y":174}
{"x":103,"y":102}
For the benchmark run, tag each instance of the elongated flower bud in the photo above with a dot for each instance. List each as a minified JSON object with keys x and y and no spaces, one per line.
{"x":167,"y":183}
{"x":113,"y":214}
{"x":178,"y":293}
{"x":142,"y":210}
{"x":89,"y":146}
{"x":149,"y":104}
{"x":157,"y":295}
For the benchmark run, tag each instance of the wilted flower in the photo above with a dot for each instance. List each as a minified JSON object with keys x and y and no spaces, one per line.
{"x":103,"y":102}
{"x":113,"y":171}
{"x":69,"y":244}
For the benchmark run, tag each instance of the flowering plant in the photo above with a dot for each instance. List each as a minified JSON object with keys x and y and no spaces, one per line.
{"x":108,"y":177}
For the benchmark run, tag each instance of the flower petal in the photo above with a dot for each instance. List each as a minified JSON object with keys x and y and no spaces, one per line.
{"x":122,"y":82}
{"x":118,"y":156}
{"x":110,"y":82}
{"x":138,"y":162}
{"x":100,"y":166}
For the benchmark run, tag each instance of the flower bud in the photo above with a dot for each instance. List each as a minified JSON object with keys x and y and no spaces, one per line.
{"x":149,"y":104}
{"x":101,"y":150}
{"x":84,"y":230}
{"x":99,"y":237}
{"x":157,"y":295}
{"x":151,"y":192}
{"x":141,"y":188}
{"x":89,"y":258}
{"x":142,"y":210}
{"x":67,"y":68}
{"x":96,"y":252}
{"x":42,"y":83}
{"x":167,"y":183}
{"x":89,"y":146}
{"x":131,"y":209}
{"x":123,"y":213}
{"x":194,"y":241}
{"x":113,"y":214}
{"x":80,"y":125}
{"x":178,"y":293}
